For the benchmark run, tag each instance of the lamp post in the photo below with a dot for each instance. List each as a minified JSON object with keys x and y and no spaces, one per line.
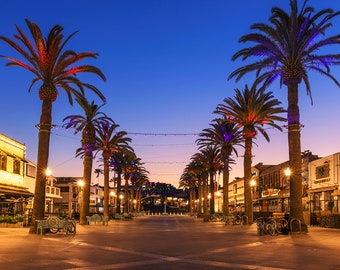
{"x":336,"y":205}
{"x":121,"y":197}
{"x":112,"y":198}
{"x":218,"y":195}
{"x":80,"y":184}
{"x":48,"y":174}
{"x":252,"y":185}
{"x":287,"y":173}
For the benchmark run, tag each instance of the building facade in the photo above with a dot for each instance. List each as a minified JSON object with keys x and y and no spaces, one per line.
{"x":323,"y":191}
{"x":14,"y":193}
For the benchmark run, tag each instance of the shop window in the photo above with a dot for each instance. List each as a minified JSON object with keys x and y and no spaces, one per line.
{"x":16,"y":166}
{"x":64,"y":189}
{"x":3,"y":162}
{"x":30,"y":170}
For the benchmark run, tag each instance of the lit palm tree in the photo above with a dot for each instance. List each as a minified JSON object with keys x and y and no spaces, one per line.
{"x":251,"y":110}
{"x":109,"y":141}
{"x":226,"y":136}
{"x":118,"y":163}
{"x":86,"y":124}
{"x":202,"y":176}
{"x":138,"y":177}
{"x":198,"y":174}
{"x":210,"y":157}
{"x":129,"y":168}
{"x":55,"y":68}
{"x":288,"y":48}
{"x":187,"y":181}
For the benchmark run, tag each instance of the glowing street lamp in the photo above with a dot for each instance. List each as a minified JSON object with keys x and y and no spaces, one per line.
{"x":80,"y":183}
{"x":252,"y":184}
{"x":48,"y":172}
{"x":288,"y":172}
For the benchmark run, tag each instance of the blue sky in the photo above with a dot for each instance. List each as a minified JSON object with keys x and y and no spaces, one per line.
{"x":166,"y":63}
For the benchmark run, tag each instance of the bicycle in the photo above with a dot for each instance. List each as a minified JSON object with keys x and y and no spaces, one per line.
{"x":233,"y":219}
{"x":271,"y":226}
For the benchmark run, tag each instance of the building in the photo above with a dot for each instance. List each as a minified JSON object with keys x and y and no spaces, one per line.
{"x":14,"y":193}
{"x":70,"y":196}
{"x":323,"y":192}
{"x":71,"y":193}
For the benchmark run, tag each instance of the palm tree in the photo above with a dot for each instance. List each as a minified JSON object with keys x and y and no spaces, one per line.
{"x":118,"y":163}
{"x":56,"y":69}
{"x":138,"y":177}
{"x":288,"y":48}
{"x":226,"y":136}
{"x":198,"y":174}
{"x":202,"y":176}
{"x":86,"y":125}
{"x":210,"y":157}
{"x":187,"y":181}
{"x":109,"y":141}
{"x":251,"y":110}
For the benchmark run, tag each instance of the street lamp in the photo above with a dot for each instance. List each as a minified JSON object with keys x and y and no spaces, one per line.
{"x":48,"y":172}
{"x":252,"y":185}
{"x":288,"y":172}
{"x":218,"y":195}
{"x":121,"y":197}
{"x":80,"y":184}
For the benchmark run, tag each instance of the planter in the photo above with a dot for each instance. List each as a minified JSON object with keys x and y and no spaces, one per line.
{"x":12,"y":225}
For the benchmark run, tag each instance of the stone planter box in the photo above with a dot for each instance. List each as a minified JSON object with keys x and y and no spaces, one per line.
{"x":12,"y":225}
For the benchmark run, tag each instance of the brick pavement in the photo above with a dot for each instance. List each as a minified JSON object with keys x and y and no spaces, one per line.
{"x":169,"y":242}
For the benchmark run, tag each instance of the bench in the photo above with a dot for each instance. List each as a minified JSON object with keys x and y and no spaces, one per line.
{"x":97,"y":219}
{"x":118,"y":216}
{"x":124,"y":216}
{"x":55,"y":224}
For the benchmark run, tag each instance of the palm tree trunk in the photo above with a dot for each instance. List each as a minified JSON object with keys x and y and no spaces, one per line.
{"x":205,"y":197}
{"x":85,"y":203}
{"x":138,"y":198}
{"x":42,"y":161}
{"x":226,"y":189}
{"x":200,"y":196}
{"x":247,"y":176}
{"x":133,"y":199}
{"x":106,"y":185}
{"x":126,"y":196}
{"x":212,"y":193}
{"x":294,"y":142}
{"x":191,"y":200}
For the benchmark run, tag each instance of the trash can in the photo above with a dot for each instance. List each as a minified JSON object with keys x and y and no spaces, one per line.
{"x":286,"y":217}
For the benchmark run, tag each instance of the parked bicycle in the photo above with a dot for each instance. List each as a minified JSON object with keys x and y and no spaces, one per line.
{"x":235,"y":219}
{"x":271,"y":226}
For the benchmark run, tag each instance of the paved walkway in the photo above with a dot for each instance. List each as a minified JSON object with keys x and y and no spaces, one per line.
{"x":169,"y":242}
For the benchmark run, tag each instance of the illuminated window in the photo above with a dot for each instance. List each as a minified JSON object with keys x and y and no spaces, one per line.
{"x":16,"y":166}
{"x":3,"y":162}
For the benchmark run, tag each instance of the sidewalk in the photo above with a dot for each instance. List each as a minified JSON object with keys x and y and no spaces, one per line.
{"x":169,"y":242}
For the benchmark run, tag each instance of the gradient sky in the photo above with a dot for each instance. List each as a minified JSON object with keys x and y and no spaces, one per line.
{"x":166,"y":63}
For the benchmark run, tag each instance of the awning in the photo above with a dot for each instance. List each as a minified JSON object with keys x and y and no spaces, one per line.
{"x":336,"y":193}
{"x":270,"y":198}
{"x":15,"y":191}
{"x":322,"y":189}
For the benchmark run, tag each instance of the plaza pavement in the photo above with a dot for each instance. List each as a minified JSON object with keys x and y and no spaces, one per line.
{"x":169,"y":242}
